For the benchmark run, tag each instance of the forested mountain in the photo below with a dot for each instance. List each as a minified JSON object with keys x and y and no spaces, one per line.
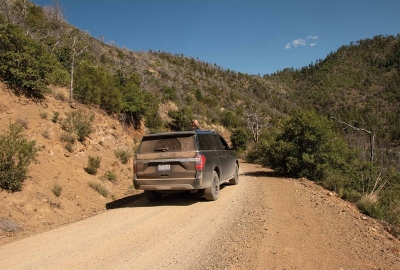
{"x":359,"y":84}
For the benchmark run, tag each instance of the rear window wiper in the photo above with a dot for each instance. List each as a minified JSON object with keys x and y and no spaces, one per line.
{"x":161,"y":149}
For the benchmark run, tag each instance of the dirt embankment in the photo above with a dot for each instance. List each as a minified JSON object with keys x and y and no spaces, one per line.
{"x":265,"y":222}
{"x":37,"y":208}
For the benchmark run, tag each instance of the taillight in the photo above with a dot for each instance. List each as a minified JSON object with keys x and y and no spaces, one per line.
{"x":200,"y":162}
{"x":134,"y":167}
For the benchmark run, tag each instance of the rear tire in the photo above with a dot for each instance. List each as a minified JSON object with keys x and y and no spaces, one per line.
{"x":152,"y":195}
{"x":235,"y":179}
{"x":212,"y":193}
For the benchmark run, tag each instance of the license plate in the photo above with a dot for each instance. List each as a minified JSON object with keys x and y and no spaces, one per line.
{"x":163,"y":167}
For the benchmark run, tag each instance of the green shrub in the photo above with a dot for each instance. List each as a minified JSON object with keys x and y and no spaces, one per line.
{"x":78,"y":122}
{"x":239,"y":139}
{"x":59,"y":77}
{"x":43,"y":115}
{"x":182,"y":119}
{"x":169,"y":94}
{"x":93,"y":165}
{"x":370,"y":206}
{"x":137,"y":104}
{"x":69,"y":147}
{"x":229,"y":119}
{"x":24,"y":63}
{"x":99,"y":188}
{"x":46,"y":133}
{"x":16,"y":153}
{"x":123,"y":155}
{"x":95,"y":85}
{"x":110,"y":176}
{"x":306,"y":146}
{"x":54,"y":119}
{"x":57,"y":190}
{"x":59,"y":95}
{"x":68,"y":137}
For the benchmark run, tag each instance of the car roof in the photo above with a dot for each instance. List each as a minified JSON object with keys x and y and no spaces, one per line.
{"x":175,"y":133}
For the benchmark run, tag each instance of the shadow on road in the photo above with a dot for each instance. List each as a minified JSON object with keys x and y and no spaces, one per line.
{"x":123,"y":202}
{"x":169,"y":199}
{"x":263,"y":174}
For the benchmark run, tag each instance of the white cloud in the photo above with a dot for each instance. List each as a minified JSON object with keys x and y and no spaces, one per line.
{"x":298,"y":42}
{"x":301,"y":42}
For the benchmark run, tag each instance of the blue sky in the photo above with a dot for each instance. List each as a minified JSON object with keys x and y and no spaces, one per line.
{"x":248,"y":36}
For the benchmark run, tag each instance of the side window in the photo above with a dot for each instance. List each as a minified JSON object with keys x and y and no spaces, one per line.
{"x":206,"y":142}
{"x":218,"y":142}
{"x":224,"y":143}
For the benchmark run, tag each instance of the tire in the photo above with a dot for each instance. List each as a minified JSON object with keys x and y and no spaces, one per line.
{"x":212,"y":193}
{"x":152,"y":195}
{"x":199,"y":194}
{"x":235,"y":179}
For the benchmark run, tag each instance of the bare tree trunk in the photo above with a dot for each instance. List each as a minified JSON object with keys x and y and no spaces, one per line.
{"x":371,"y":136}
{"x":256,"y":123}
{"x":74,"y":54}
{"x":4,"y":6}
{"x":71,"y":92}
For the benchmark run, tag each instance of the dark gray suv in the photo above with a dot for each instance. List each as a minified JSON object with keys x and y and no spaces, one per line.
{"x":195,"y":161}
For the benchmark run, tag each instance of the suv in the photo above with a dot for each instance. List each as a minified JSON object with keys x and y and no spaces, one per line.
{"x":196,"y":161}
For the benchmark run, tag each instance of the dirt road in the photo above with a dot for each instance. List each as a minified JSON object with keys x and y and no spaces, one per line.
{"x":263,"y":223}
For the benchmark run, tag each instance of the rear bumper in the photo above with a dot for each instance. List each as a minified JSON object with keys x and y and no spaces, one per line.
{"x":170,"y":184}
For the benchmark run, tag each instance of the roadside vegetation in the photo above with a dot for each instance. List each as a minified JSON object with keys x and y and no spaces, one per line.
{"x":335,"y":121}
{"x":16,"y":153}
{"x":309,"y":145}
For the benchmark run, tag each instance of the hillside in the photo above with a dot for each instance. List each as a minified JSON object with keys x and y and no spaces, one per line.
{"x":37,"y":207}
{"x":203,"y":90}
{"x":357,"y":84}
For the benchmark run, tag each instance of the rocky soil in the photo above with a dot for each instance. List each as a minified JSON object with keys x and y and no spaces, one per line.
{"x":36,"y":208}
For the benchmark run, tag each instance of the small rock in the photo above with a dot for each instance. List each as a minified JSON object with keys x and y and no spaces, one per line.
{"x":7,"y":225}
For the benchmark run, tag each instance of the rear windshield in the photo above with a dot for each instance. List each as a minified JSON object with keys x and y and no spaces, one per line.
{"x":167,"y":144}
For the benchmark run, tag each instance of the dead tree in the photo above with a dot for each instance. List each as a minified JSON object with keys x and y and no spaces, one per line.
{"x":74,"y":54}
{"x":370,"y":133}
{"x":6,"y":9}
{"x":256,"y":122}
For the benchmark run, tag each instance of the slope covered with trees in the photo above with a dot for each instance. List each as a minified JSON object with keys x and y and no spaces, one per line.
{"x":134,"y":84}
{"x":358,"y":85}
{"x":354,"y":91}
